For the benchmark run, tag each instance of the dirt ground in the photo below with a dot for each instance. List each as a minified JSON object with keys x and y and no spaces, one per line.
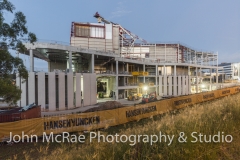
{"x":105,"y":106}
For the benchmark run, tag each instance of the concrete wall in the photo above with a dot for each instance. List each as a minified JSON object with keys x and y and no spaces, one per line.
{"x":160,"y":91}
{"x":51,"y":91}
{"x":112,"y":83}
{"x":94,"y":44}
{"x":181,"y":70}
{"x":97,"y":44}
{"x":179,"y":79}
{"x":31,"y":88}
{"x":159,"y":52}
{"x":57,"y":86}
{"x":70,"y":90}
{"x":174,"y":85}
{"x":18,"y":84}
{"x":183,"y":85}
{"x":61,"y":91}
{"x":116,"y":40}
{"x":170,"y":85}
{"x":110,"y":42}
{"x":93,"y":89}
{"x":165,"y":85}
{"x":79,"y":42}
{"x":24,"y":93}
{"x":187,"y":83}
{"x":78,"y":97}
{"x":41,"y":89}
{"x":86,"y":89}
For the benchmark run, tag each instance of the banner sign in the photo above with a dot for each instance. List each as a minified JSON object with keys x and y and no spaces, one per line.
{"x":106,"y":118}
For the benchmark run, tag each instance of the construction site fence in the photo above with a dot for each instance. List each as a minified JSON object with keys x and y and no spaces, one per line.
{"x":17,"y":115}
{"x":104,"y":119}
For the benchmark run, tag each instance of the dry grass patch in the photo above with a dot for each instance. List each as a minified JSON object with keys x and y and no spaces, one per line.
{"x":209,"y":118}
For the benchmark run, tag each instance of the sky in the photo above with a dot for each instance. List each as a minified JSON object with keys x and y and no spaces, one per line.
{"x":206,"y":25}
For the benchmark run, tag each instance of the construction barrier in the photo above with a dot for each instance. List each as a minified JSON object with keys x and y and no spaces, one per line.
{"x":16,"y":115}
{"x":106,"y":118}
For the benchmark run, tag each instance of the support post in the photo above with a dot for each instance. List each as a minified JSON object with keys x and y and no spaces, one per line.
{"x":170,"y":85}
{"x":144,"y":71}
{"x":61,"y":91}
{"x":195,"y":57}
{"x":92,"y":64}
{"x":52,"y":91}
{"x":165,"y":53}
{"x":116,"y":90}
{"x":155,"y":52}
{"x":179,"y":85}
{"x":196,"y":80}
{"x":175,"y":70}
{"x":70,"y":91}
{"x":31,"y":61}
{"x":70,"y":61}
{"x":165,"y":85}
{"x":164,"y":70}
{"x":183,"y":85}
{"x":112,"y":67}
{"x":160,"y":91}
{"x":175,"y":85}
{"x":217,"y":70}
{"x":178,"y":54}
{"x":210,"y":79}
{"x":187,"y":86}
{"x":31,"y":88}
{"x":156,"y":78}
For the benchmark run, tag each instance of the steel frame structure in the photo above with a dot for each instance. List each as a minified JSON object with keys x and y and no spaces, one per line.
{"x":127,"y":38}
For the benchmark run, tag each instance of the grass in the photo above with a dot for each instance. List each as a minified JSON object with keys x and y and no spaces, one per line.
{"x":208,"y":118}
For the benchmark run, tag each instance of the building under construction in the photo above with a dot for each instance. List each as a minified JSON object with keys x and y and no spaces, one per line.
{"x":105,"y":60}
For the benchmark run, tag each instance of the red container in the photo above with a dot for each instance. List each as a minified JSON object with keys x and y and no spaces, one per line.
{"x":16,"y":115}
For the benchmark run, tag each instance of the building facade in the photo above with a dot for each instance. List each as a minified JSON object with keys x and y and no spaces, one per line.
{"x":231,"y":70}
{"x":108,"y":61}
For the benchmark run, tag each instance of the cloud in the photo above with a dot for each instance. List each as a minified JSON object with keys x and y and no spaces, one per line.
{"x":120,"y":11}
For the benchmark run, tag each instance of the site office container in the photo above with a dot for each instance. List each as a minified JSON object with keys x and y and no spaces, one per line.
{"x":16,"y":116}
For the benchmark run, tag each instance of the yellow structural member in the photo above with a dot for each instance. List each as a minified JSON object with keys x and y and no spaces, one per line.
{"x":135,"y":73}
{"x":143,"y":73}
{"x":140,"y":73}
{"x":146,"y":84}
{"x":151,"y":84}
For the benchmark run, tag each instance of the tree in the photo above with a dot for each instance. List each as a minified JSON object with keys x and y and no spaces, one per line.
{"x":12,"y":37}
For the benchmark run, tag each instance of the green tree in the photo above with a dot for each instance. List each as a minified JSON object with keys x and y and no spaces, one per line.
{"x":12,"y":36}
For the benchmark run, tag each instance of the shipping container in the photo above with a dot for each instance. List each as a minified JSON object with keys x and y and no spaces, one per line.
{"x":16,"y":115}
